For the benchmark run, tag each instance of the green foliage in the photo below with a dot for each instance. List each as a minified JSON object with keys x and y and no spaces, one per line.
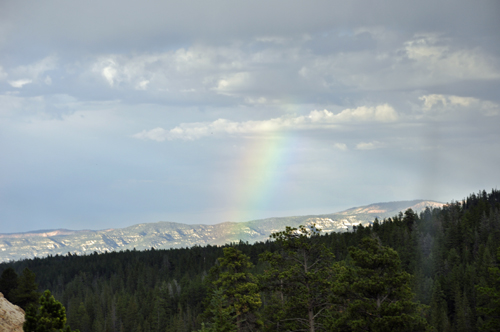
{"x":8,"y":283}
{"x":222,"y":314}
{"x":298,"y":279}
{"x":49,"y":317}
{"x":375,"y":292}
{"x":450,"y":252}
{"x":236,"y":292}
{"x":491,"y":309}
{"x":26,"y":292}
{"x":438,"y":310}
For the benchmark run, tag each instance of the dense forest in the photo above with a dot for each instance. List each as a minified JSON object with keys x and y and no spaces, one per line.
{"x":437,"y":270}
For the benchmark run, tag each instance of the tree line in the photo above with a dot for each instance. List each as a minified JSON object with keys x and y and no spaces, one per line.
{"x":437,"y":270}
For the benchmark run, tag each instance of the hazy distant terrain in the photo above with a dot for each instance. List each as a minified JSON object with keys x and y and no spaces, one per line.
{"x":162,"y":235}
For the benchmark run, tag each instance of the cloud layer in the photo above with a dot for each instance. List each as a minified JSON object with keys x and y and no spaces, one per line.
{"x":315,"y":120}
{"x":265,"y":70}
{"x":315,"y":106}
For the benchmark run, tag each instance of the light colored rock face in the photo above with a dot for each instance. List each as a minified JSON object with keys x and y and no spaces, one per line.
{"x":11,"y":316}
{"x":164,"y":235}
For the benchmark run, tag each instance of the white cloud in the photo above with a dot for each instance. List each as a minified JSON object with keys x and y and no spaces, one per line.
{"x":142,"y":85}
{"x":279,"y":68}
{"x":20,"y":83}
{"x":340,"y":146}
{"x":396,"y":63}
{"x":438,"y":102}
{"x":181,"y":69}
{"x":382,"y":113}
{"x":433,"y":99}
{"x":257,"y":101}
{"x":436,"y":57}
{"x":27,"y":74}
{"x":35,"y":70}
{"x":109,"y":74}
{"x":315,"y":119}
{"x":368,"y":145}
{"x":422,"y":47}
{"x":446,"y":100}
{"x":156,"y":134}
{"x":234,"y":82}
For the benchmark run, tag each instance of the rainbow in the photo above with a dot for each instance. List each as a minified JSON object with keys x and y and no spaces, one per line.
{"x":260,"y":173}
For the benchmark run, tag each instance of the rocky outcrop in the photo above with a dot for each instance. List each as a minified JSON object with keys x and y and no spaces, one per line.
{"x":11,"y":316}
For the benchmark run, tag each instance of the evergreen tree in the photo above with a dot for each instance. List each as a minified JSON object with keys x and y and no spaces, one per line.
{"x":376,"y":293}
{"x":238,"y":287}
{"x":26,"y":292}
{"x":8,"y":283}
{"x":223,"y":319}
{"x":83,"y":317}
{"x":298,"y":280}
{"x":463,"y":314}
{"x":49,"y":317}
{"x":449,"y":250}
{"x":491,"y":310}
{"x":438,"y":309}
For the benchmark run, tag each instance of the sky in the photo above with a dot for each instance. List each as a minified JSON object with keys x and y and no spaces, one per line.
{"x":114,"y":113}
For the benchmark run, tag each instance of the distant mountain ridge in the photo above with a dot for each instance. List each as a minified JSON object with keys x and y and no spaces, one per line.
{"x":43,"y":233}
{"x":164,"y":235}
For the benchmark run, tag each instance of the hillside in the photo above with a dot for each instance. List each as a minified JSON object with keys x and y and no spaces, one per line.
{"x":164,"y":235}
{"x":449,"y":255}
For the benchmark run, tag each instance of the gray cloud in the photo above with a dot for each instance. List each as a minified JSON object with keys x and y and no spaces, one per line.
{"x":333,"y":104}
{"x":273,"y":72}
{"x":130,"y":24}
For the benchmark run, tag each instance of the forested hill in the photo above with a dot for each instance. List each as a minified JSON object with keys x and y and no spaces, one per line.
{"x":451,"y":253}
{"x":165,"y":235}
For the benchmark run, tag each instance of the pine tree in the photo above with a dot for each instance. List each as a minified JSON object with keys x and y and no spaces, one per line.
{"x":8,"y":282}
{"x":223,"y":319}
{"x":376,"y":292}
{"x":26,"y":292}
{"x":439,"y":311}
{"x":298,"y":280}
{"x":83,"y":318}
{"x":238,"y":287}
{"x":491,"y":293}
{"x":49,"y":317}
